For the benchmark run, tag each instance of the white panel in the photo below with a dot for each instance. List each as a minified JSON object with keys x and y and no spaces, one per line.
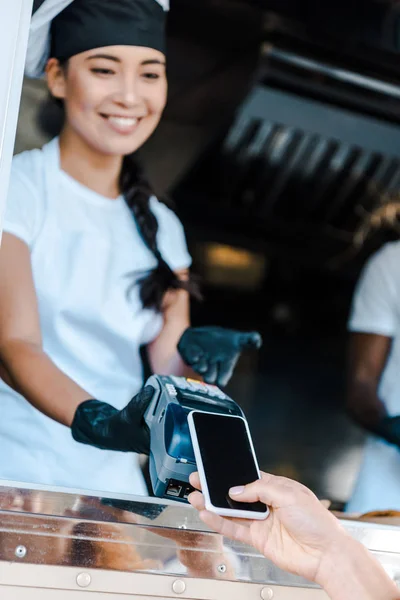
{"x":14,"y":30}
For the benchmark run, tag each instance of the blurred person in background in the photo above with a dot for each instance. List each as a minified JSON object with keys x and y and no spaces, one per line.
{"x":373,"y":397}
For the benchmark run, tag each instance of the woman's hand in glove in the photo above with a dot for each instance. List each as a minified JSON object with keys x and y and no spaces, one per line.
{"x":101,"y":425}
{"x":214,"y":351}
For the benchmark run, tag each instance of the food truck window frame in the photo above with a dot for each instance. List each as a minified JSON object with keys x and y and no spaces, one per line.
{"x":15,"y":19}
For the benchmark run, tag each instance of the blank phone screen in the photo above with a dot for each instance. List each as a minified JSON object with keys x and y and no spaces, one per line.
{"x":227,"y":457}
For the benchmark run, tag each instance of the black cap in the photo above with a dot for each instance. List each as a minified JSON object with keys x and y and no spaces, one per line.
{"x":82,"y":25}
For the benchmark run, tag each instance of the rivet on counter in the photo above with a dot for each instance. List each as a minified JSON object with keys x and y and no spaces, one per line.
{"x":83,"y":580}
{"x":20,"y":551}
{"x":221,"y":568}
{"x":266,"y":594}
{"x":178,"y":587}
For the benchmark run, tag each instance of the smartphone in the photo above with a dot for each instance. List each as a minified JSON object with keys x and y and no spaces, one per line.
{"x":225,"y":458}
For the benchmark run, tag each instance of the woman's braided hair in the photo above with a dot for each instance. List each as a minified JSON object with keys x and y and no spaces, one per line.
{"x":137,"y":193}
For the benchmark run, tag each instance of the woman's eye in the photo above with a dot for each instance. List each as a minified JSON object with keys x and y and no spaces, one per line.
{"x":151,"y":75}
{"x":102,"y":71}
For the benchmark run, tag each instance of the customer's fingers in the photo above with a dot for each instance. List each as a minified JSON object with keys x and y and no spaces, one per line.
{"x":234,"y":529}
{"x":270,"y":489}
{"x":194,"y":480}
{"x":196,"y":499}
{"x":276,"y":492}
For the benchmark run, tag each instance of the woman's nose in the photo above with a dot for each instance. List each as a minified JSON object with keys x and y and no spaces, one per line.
{"x":129,"y":94}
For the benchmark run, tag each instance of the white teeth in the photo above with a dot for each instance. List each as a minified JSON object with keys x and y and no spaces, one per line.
{"x":123,"y":122}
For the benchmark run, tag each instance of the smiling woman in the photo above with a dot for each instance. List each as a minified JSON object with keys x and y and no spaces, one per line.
{"x":114,"y":97}
{"x":92,"y":265}
{"x":89,"y":255}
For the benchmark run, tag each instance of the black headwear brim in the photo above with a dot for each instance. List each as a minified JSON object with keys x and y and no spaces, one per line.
{"x":54,"y":30}
{"x":88,"y":24}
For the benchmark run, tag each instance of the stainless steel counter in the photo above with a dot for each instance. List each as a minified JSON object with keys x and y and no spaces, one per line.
{"x":69,"y":541}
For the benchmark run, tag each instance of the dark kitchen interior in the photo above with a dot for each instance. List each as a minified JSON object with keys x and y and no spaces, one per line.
{"x":281,"y":134}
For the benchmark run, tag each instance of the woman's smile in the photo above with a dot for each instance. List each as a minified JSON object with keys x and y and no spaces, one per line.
{"x":121,"y":124}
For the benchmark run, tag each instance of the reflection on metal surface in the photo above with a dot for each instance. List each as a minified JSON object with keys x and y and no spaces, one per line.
{"x":129,"y":534}
{"x":136,"y":534}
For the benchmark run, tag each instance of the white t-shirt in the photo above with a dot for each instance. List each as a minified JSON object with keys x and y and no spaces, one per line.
{"x":86,"y":252}
{"x":376,"y":310}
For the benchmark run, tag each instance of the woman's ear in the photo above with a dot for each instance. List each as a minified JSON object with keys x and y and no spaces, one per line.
{"x":56,"y":82}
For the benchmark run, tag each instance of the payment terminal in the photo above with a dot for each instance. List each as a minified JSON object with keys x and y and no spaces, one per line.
{"x":171,"y":453}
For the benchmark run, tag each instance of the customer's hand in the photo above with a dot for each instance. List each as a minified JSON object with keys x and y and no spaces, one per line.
{"x":296,"y":536}
{"x":302,"y":537}
{"x":101,"y":425}
{"x":213,"y":352}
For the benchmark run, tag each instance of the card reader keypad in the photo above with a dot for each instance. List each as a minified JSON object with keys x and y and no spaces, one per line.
{"x":171,"y":389}
{"x":198,"y":386}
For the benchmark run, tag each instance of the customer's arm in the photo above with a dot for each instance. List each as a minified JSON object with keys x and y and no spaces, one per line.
{"x":349,"y":571}
{"x":301,"y":536}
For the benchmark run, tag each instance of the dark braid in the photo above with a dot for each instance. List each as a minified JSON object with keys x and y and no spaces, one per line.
{"x":137,"y":193}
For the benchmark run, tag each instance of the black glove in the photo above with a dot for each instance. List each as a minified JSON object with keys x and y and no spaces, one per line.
{"x":214,"y":351}
{"x":389,"y":430}
{"x":101,"y":425}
